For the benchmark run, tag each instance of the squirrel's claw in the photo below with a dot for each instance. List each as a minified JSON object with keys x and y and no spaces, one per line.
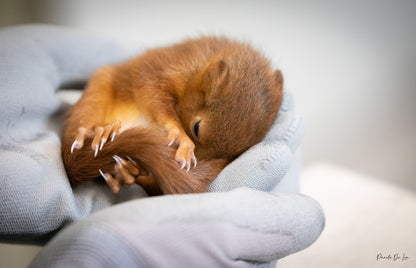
{"x":76,"y":145}
{"x":130,"y":166}
{"x":79,"y":140}
{"x":194,"y":161}
{"x":185,"y":147}
{"x":113,"y":183}
{"x":171,"y":142}
{"x":102,"y":134}
{"x":95,"y":150}
{"x":187,"y":164}
{"x":102,"y":143}
{"x":126,"y":172}
{"x":118,"y":160}
{"x":184,"y":164}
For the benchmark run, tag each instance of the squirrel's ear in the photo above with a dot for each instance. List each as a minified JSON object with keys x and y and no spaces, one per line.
{"x":216,"y":78}
{"x":278,"y":79}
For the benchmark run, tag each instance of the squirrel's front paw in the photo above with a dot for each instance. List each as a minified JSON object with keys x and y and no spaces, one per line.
{"x":185,"y":153}
{"x":100,"y":135}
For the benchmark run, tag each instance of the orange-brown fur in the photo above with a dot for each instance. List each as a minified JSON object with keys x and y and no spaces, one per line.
{"x":227,"y":85}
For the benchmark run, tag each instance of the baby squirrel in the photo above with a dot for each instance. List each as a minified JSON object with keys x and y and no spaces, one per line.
{"x":172,"y":118}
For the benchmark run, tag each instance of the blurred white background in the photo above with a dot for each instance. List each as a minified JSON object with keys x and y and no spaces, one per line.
{"x":351,"y":65}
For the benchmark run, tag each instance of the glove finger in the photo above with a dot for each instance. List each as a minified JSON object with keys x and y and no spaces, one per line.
{"x":287,"y":102}
{"x":261,"y":167}
{"x":288,"y":126}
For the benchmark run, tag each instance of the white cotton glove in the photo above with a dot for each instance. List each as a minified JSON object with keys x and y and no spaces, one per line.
{"x":240,"y":228}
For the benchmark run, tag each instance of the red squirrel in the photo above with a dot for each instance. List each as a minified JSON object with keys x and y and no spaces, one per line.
{"x":172,"y":118}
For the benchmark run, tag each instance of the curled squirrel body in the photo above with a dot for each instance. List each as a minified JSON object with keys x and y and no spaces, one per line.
{"x":172,"y":118}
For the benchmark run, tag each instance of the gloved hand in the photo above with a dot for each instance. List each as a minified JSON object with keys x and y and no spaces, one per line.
{"x":239,"y":228}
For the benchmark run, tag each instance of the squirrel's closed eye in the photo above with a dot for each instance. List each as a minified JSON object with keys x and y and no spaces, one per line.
{"x":196,"y":128}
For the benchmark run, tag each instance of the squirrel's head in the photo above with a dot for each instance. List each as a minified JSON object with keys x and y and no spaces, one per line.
{"x":230,"y":104}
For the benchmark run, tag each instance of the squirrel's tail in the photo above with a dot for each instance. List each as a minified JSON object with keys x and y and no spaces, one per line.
{"x":147,"y":148}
